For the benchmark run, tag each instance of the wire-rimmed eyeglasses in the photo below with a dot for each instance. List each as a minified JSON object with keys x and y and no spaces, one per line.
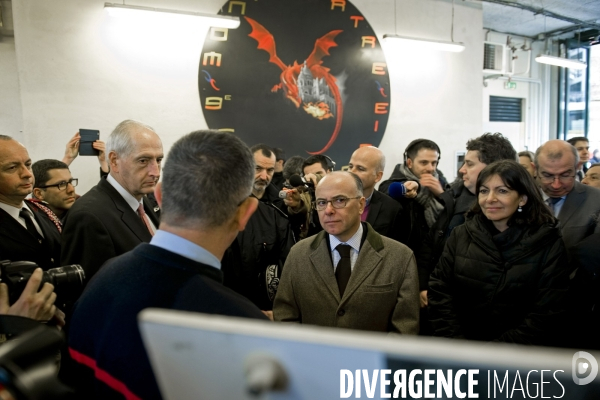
{"x":336,"y":202}
{"x":563,"y":178}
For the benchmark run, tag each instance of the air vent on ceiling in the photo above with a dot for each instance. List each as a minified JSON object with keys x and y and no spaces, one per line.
{"x":493,"y":58}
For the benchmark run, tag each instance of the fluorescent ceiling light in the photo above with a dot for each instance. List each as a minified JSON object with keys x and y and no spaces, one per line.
{"x":425,"y":43}
{"x":220,"y":21}
{"x":561,"y":62}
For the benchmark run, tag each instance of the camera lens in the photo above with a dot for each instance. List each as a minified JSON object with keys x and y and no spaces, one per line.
{"x":66,"y":279}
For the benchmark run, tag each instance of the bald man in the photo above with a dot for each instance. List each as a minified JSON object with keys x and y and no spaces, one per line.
{"x":576,"y":206}
{"x":348,"y":275}
{"x":25,"y":233}
{"x":384,"y":214}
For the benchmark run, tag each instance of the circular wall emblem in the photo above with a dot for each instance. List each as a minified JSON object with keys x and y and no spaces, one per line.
{"x":308,"y":76}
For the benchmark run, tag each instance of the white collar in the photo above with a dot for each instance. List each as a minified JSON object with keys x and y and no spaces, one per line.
{"x":12,"y":210}
{"x":132,"y":201}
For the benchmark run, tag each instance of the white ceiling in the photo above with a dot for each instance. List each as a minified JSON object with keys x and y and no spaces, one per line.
{"x":532,"y":18}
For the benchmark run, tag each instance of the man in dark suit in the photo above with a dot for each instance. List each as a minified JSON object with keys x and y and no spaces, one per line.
{"x":576,"y":206}
{"x":381,"y":211}
{"x":115,"y":215}
{"x":205,"y":204}
{"x":25,"y":235}
{"x":348,"y":275}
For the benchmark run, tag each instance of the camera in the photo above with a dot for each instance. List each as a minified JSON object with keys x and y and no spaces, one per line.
{"x":67,"y":280}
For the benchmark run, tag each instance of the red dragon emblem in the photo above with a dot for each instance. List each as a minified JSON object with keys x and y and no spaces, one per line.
{"x":321,"y":96}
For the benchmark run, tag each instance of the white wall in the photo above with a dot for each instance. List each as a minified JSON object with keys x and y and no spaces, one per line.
{"x":77,"y":69}
{"x":435,"y":95}
{"x":11,"y":115}
{"x":532,"y":87}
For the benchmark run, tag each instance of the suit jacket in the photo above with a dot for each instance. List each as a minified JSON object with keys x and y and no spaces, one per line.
{"x":580,"y":214}
{"x":103,"y":331}
{"x":386,"y":216}
{"x":17,"y":244}
{"x":101,"y":225}
{"x":382,"y":293}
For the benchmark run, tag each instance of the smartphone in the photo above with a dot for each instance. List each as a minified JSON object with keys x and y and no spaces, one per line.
{"x":88,"y":137}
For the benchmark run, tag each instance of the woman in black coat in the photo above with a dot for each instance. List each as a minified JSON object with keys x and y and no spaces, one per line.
{"x":503,"y":275}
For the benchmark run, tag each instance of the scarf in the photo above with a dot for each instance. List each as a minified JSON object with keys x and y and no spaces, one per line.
{"x":432,"y":208}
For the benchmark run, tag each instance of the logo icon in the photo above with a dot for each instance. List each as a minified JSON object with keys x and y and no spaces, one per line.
{"x":584,"y":363}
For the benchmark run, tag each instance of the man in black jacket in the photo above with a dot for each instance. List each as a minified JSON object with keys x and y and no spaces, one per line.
{"x":381,"y":211}
{"x":253,"y":261}
{"x":25,"y":234}
{"x":205,"y":204}
{"x":420,"y":165}
{"x":481,"y":151}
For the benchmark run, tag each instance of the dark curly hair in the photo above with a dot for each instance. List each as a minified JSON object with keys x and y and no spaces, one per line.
{"x":492,"y":147}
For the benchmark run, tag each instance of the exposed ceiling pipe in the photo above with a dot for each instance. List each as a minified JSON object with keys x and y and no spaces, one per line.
{"x":540,"y":11}
{"x":544,"y":12}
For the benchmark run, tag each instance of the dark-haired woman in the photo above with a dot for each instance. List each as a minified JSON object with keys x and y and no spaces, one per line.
{"x":503,"y":275}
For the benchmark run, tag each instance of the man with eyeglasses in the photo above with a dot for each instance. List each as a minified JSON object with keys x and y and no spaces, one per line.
{"x":54,"y":189}
{"x":348,"y":275}
{"x":576,"y":206}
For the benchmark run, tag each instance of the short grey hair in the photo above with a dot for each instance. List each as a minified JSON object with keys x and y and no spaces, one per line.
{"x":120,"y":140}
{"x":200,"y":186}
{"x":528,"y":154}
{"x":555,"y":155}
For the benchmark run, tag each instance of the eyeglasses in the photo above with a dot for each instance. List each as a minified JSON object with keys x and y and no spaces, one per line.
{"x":336,"y":202}
{"x":564,"y":178}
{"x":62,"y":185}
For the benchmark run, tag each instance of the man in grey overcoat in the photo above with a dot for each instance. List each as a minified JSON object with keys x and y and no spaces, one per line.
{"x":369,"y":282}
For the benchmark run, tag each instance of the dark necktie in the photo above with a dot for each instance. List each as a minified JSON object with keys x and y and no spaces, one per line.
{"x":142,"y":214}
{"x":552,"y":203}
{"x":580,"y":175}
{"x":29,"y":223}
{"x":343,"y":270}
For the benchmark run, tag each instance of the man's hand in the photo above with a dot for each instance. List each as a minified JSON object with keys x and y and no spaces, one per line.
{"x":431,"y":182}
{"x":412,"y":188}
{"x":101,"y":147}
{"x":269,"y":314}
{"x":293,"y":200}
{"x":423,"y":298}
{"x":72,"y":149}
{"x":312,"y":178}
{"x":32,"y":304}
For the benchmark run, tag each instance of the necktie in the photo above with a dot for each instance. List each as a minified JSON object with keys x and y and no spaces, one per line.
{"x":580,"y":175}
{"x":144,"y":218}
{"x":552,"y":203}
{"x":29,"y":223}
{"x":343,"y":270}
